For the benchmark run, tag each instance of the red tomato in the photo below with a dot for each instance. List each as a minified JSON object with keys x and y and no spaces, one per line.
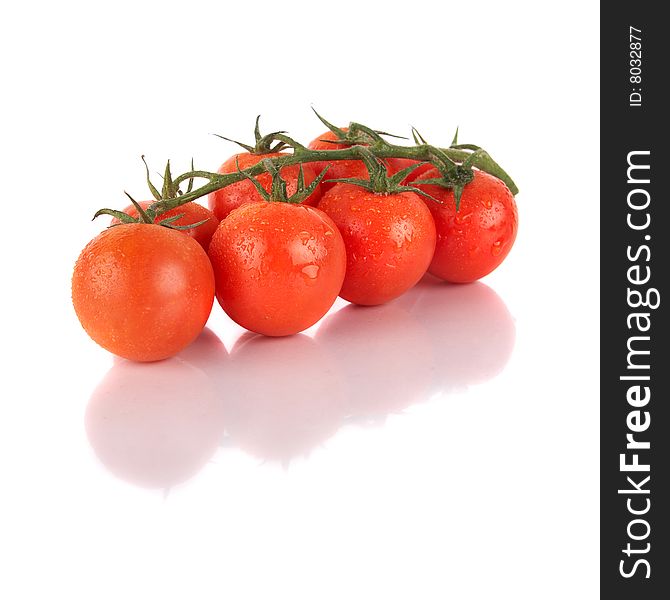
{"x":233,"y":196}
{"x":143,"y":292}
{"x":193,"y":213}
{"x":278,"y":266}
{"x":389,"y":239}
{"x":475,"y":240}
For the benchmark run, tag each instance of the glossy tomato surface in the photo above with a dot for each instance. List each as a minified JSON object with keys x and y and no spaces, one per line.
{"x":278,"y":266}
{"x":474,"y":240}
{"x":192,"y":213}
{"x":222,"y":201}
{"x":143,"y":292}
{"x":389,"y":239}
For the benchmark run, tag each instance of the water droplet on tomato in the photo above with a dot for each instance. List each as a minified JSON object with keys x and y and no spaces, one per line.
{"x":462,"y":217}
{"x":310,"y":273}
{"x":496,"y":248}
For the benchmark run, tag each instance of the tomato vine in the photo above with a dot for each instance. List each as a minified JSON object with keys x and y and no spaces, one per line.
{"x":454,"y":163}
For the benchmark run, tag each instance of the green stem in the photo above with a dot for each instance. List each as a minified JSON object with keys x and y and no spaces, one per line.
{"x":422,"y":152}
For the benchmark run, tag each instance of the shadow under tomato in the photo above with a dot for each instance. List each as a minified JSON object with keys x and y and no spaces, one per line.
{"x":156,"y":425}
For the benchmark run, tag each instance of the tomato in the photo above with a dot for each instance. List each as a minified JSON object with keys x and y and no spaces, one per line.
{"x":193,"y":213}
{"x":278,"y":266}
{"x":473,"y":241}
{"x":222,"y":201}
{"x":143,"y":292}
{"x":389,"y":239}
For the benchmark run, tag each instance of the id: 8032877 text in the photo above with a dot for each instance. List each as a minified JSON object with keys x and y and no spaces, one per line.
{"x":635,"y":66}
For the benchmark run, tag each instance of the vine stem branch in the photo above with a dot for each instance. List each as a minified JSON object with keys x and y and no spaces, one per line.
{"x":301,"y":154}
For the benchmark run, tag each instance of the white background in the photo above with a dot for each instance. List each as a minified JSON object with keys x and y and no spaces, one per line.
{"x":443,"y":446}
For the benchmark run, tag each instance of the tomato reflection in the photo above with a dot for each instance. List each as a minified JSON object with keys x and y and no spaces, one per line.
{"x":471,"y":330}
{"x":283,"y":396}
{"x":157,"y":424}
{"x":277,"y":399}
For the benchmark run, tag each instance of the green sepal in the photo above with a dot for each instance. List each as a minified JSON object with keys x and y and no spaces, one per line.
{"x":278,"y":191}
{"x":302,"y":193}
{"x":458,"y":192}
{"x":419,"y":140}
{"x":263,"y":142}
{"x":117,"y":214}
{"x":172,"y":219}
{"x":154,"y":191}
{"x":340,"y":133}
{"x":353,"y":136}
{"x":144,"y":216}
{"x":168,"y":223}
{"x":400,"y":175}
{"x":167,"y":182}
{"x":455,"y":180}
{"x":192,"y":179}
{"x":261,"y":190}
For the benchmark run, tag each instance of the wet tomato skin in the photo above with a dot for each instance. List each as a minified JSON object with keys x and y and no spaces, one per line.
{"x":223,"y":201}
{"x":193,"y":213}
{"x":279,"y":266}
{"x":143,"y":292}
{"x":389,"y":239}
{"x":474,"y":240}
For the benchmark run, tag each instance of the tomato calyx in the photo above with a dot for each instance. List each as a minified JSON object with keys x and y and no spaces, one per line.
{"x":148,"y":215}
{"x":356,"y":134}
{"x":263,"y":143}
{"x":278,"y":192}
{"x":454,"y":176}
{"x":379,"y":181}
{"x":170,"y":189}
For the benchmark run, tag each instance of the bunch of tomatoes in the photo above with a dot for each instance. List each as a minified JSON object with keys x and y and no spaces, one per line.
{"x":278,"y":247}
